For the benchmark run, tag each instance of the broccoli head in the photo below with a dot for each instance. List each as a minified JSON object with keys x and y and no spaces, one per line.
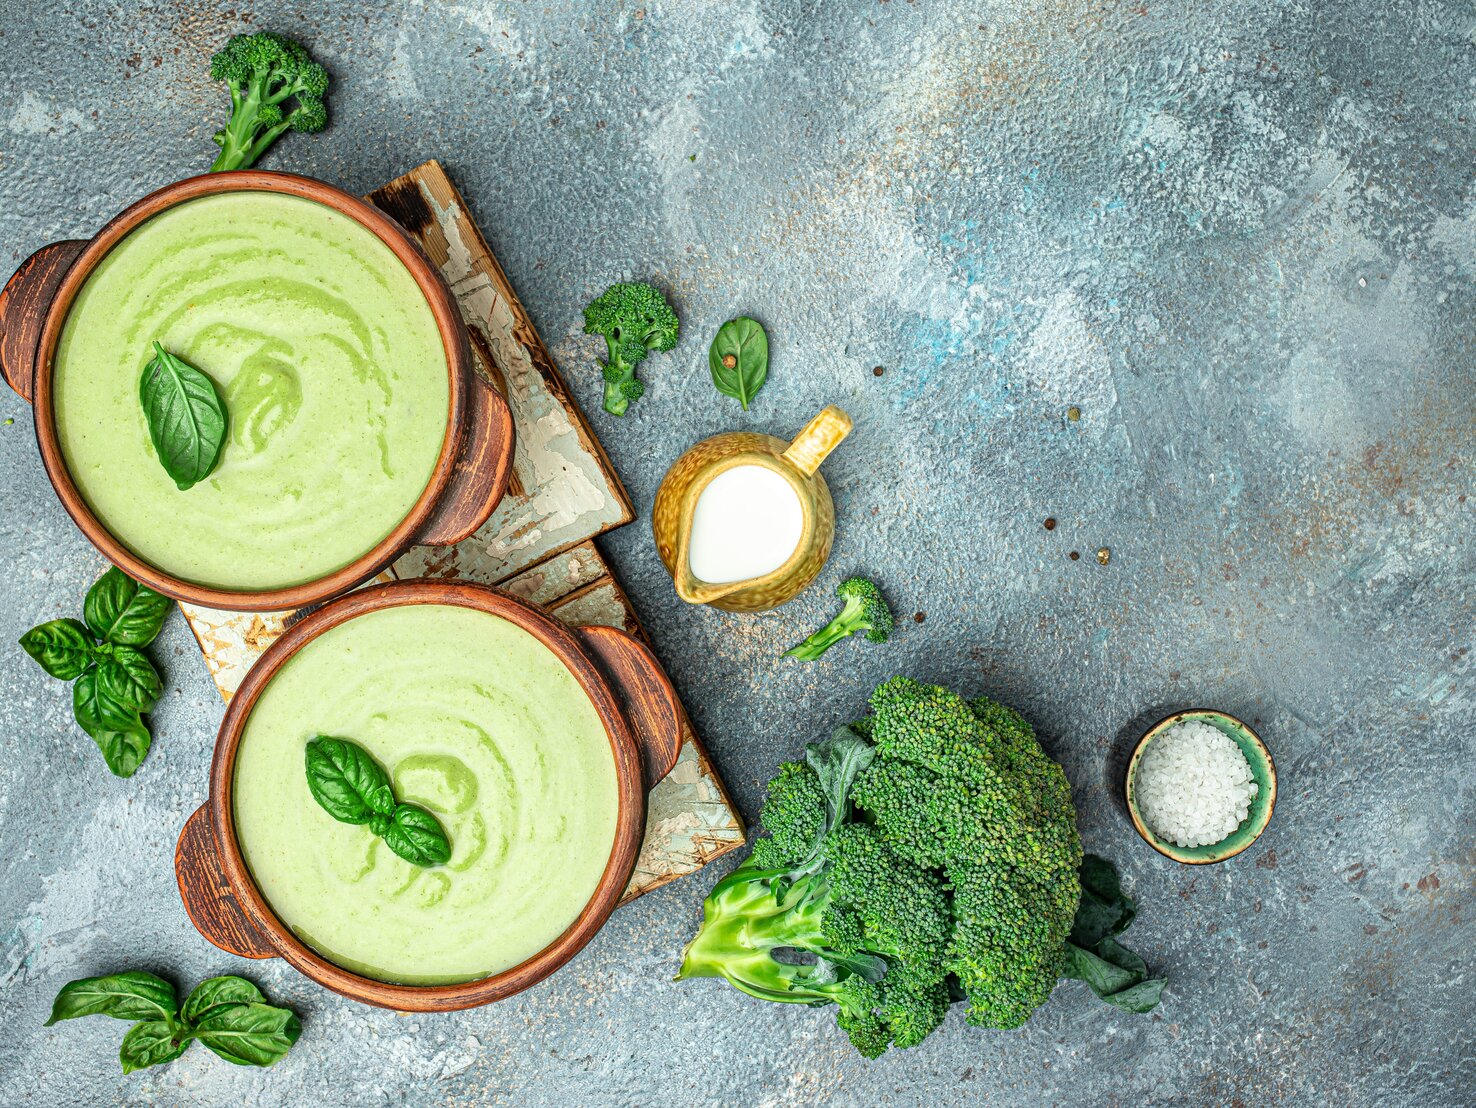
{"x":275,"y":86}
{"x":635,"y":319}
{"x":865,"y":610}
{"x":926,"y":852}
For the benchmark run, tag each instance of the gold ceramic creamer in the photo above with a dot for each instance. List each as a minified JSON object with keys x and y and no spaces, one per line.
{"x":796,"y":462}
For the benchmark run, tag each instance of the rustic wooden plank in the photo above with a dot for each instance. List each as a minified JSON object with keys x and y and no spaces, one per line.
{"x":563,"y":489}
{"x":537,"y":544}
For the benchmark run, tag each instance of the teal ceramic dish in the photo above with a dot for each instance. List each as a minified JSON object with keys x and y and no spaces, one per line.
{"x":1263,"y":770}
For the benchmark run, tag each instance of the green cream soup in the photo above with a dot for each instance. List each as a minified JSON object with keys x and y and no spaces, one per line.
{"x":330,"y":364}
{"x":476,"y":720}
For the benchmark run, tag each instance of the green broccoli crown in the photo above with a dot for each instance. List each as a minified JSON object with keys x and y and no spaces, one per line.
{"x":633,"y":314}
{"x":865,"y":610}
{"x":635,"y":318}
{"x":265,"y":71}
{"x":963,"y":786}
{"x":929,"y":848}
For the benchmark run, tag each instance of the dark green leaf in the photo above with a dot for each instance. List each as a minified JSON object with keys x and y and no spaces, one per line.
{"x":134,"y":995}
{"x":120,"y":610}
{"x":837,"y":762}
{"x":186,"y":416}
{"x":128,"y":678}
{"x":1114,"y":953}
{"x":249,"y":1034}
{"x":1142,"y":997}
{"x":62,"y":647}
{"x":152,"y":1042}
{"x":211,"y":995}
{"x":1103,"y":977}
{"x":345,"y":779}
{"x":1103,"y":910}
{"x":118,"y":731}
{"x":416,"y":836}
{"x":95,"y":708}
{"x":738,"y":359}
{"x":125,"y":750}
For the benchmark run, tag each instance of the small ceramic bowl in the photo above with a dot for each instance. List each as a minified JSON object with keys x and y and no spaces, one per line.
{"x":1263,"y":771}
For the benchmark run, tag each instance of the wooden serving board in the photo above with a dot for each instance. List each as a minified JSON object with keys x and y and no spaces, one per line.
{"x":538,"y":543}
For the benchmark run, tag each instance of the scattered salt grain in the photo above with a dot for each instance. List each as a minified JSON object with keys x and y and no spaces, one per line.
{"x":1193,"y":785}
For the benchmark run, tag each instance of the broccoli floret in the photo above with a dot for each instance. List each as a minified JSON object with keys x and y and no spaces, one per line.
{"x":265,"y":72}
{"x":635,"y":319}
{"x":925,"y":853}
{"x":865,"y":610}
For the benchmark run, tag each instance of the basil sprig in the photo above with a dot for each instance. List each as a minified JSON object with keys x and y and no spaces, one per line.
{"x":738,"y":359}
{"x":351,"y":787}
{"x":228,"y":1014}
{"x":115,"y":681}
{"x":186,"y":415}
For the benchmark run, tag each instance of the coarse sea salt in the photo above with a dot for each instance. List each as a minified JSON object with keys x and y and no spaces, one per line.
{"x":1193,"y":785}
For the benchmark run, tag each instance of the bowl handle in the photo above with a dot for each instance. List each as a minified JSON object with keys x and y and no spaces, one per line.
{"x":649,"y":700}
{"x":206,"y":893}
{"x":820,"y":436}
{"x":480,"y":473}
{"x":24,"y":303}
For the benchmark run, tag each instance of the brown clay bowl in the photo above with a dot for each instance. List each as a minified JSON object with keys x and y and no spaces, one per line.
{"x":471,"y":473}
{"x":628,"y":689}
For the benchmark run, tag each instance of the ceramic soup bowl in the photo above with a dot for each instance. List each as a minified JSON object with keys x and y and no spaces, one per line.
{"x":342,"y":288}
{"x":607,"y":678}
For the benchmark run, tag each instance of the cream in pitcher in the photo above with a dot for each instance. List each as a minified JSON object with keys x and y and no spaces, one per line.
{"x":743,"y":521}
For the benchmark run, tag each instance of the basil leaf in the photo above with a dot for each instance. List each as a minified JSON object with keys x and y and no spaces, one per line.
{"x":346,"y":780}
{"x":120,"y":610}
{"x":118,"y":732}
{"x":152,"y":1042}
{"x":738,"y":359}
{"x":129,"y":678}
{"x":249,"y":1034}
{"x":186,"y":416}
{"x":96,"y":709}
{"x":215,"y":993}
{"x":417,"y":836}
{"x":134,"y":995}
{"x":62,"y":647}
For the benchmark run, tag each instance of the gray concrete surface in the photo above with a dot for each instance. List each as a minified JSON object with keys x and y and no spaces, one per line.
{"x":1238,"y":236}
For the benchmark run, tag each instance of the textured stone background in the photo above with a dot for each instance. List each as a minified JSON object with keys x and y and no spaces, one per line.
{"x":1239,"y":236}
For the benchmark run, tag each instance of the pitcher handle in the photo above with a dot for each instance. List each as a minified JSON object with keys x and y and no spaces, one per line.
{"x":820,"y":436}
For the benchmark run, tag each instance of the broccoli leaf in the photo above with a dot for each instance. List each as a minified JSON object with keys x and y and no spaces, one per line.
{"x":1112,"y":971}
{"x":837,"y":762}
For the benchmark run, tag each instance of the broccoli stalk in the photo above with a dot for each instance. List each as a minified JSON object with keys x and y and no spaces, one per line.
{"x":264,"y":72}
{"x":865,"y":610}
{"x":635,"y":319}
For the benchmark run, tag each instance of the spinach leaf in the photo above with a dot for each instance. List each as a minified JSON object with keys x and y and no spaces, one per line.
{"x":134,"y":995}
{"x":186,"y":416}
{"x":151,"y":1043}
{"x":128,"y":678}
{"x":62,"y":647}
{"x":346,"y":780}
{"x":1112,"y":971}
{"x":738,"y":359}
{"x":249,"y":1034}
{"x":120,"y":610}
{"x":215,"y":993}
{"x":119,"y":732}
{"x":417,"y":836}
